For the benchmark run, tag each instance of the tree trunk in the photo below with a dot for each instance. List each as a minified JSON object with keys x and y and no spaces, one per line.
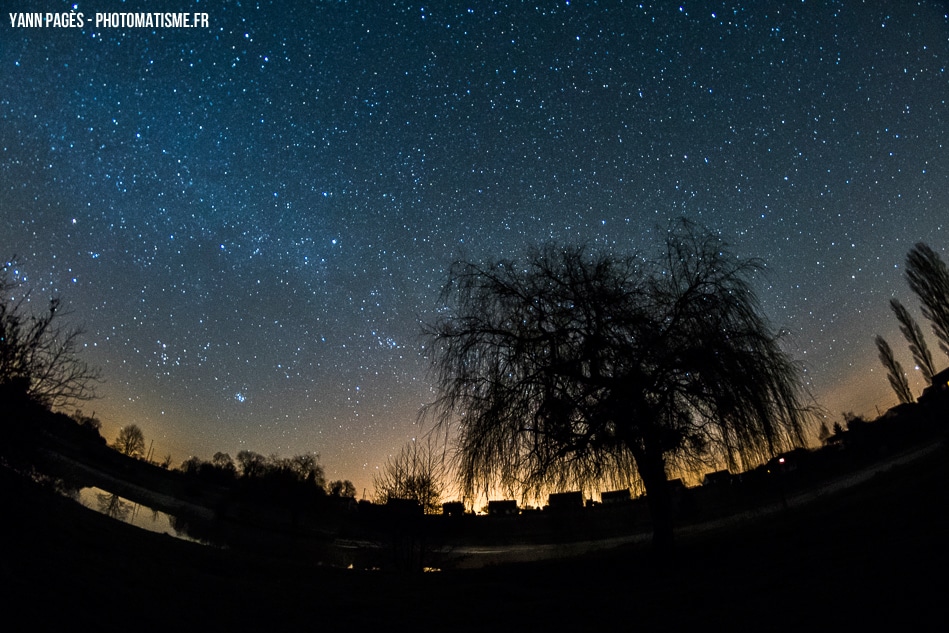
{"x":652,"y":468}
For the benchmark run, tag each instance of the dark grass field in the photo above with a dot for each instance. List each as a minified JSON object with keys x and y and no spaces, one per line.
{"x":871,"y":557}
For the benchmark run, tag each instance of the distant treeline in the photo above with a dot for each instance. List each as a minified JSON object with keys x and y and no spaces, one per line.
{"x":272,"y":477}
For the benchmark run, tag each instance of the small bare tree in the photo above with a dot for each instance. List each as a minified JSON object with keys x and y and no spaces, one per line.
{"x":38,"y":354}
{"x":417,"y":472}
{"x":130,"y":441}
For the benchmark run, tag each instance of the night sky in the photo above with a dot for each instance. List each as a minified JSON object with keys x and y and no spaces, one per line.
{"x":251,"y":219}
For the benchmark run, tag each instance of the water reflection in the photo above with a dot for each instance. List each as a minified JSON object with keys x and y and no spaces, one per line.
{"x":113,"y":506}
{"x":116,"y":507}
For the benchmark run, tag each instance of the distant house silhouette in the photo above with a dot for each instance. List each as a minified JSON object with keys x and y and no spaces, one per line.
{"x":938,"y":388}
{"x":506,"y":507}
{"x":453,"y":508}
{"x":676,"y":486}
{"x":717,"y":479}
{"x":565,"y":501}
{"x":403,"y":507}
{"x":615,"y":497}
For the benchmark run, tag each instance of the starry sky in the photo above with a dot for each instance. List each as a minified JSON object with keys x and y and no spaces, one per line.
{"x":251,"y":219}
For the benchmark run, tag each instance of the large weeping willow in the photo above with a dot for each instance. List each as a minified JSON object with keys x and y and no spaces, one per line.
{"x":575,"y":367}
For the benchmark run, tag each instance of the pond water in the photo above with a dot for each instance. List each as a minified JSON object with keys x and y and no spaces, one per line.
{"x":116,"y":507}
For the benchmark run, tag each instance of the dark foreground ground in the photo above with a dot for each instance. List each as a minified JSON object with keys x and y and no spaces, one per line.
{"x":872,"y":557}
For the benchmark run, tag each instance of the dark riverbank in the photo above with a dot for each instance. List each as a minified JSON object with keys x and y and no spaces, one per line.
{"x":872,"y":556}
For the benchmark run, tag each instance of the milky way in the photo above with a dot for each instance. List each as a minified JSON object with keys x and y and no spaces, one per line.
{"x":251,"y":219}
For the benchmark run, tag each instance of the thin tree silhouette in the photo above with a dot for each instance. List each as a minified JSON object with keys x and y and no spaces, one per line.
{"x":928,"y":278}
{"x":914,"y":337}
{"x":894,"y":371}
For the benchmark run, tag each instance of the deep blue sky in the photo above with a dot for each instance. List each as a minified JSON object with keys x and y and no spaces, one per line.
{"x":251,"y":219}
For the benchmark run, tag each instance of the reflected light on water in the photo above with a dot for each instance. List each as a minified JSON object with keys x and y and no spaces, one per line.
{"x":116,"y":507}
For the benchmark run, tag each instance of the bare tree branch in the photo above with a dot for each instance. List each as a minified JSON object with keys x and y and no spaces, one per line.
{"x":416,"y":473}
{"x":130,"y":441}
{"x":39,"y":356}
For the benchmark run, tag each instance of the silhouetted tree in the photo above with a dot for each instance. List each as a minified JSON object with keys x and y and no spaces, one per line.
{"x":288,"y":479}
{"x":90,"y":425}
{"x":416,"y":473}
{"x":823,"y":433}
{"x":853,"y":421}
{"x":307,"y":470}
{"x":928,"y":278}
{"x":90,"y":422}
{"x":38,"y":354}
{"x":894,"y":371}
{"x":220,"y":470}
{"x":224,"y":463}
{"x":574,"y":365}
{"x":914,"y":337}
{"x":251,"y":464}
{"x":192,"y":466}
{"x":342,"y":488}
{"x":130,"y":441}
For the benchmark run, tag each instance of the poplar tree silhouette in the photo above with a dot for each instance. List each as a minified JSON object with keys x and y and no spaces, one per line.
{"x":914,"y":337}
{"x":894,"y":371}
{"x":928,"y":278}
